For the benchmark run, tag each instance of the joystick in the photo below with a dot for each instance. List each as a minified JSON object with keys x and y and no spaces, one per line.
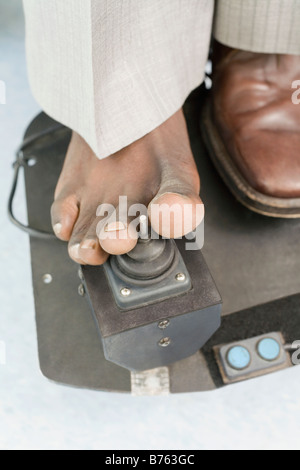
{"x":155,"y":305}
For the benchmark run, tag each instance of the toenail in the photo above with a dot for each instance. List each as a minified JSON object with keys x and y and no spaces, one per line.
{"x":88,"y":244}
{"x":169,"y":193}
{"x":115,"y":227}
{"x":57,"y":229}
{"x":74,"y":250}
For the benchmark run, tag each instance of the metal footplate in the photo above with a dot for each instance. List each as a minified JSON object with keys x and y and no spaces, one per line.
{"x":260,"y":290}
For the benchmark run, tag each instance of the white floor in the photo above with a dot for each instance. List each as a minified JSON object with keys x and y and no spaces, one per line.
{"x":36,"y":414}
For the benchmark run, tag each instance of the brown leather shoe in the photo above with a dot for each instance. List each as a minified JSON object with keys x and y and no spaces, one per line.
{"x":252,"y":129}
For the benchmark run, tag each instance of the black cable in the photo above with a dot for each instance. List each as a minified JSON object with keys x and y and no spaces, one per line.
{"x":17,"y":165}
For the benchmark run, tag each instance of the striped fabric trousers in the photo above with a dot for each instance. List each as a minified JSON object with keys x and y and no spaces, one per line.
{"x":259,"y":25}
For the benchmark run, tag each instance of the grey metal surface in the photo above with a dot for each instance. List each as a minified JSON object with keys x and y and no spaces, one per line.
{"x":139,"y":348}
{"x":70,"y":351}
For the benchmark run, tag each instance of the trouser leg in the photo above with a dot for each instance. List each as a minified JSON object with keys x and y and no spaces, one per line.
{"x":270,"y":26}
{"x":114,"y":70}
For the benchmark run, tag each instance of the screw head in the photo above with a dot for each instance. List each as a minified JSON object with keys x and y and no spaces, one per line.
{"x":47,"y":279}
{"x":163,"y":324}
{"x":164,"y":342}
{"x":180,"y":277}
{"x":125,"y":292}
{"x":32,"y":161}
{"x":81,"y":290}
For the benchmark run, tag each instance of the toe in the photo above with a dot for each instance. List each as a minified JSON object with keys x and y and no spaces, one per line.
{"x":90,"y":250}
{"x":174,"y":215}
{"x":117,"y":234}
{"x":84,"y":247}
{"x":64,"y":213}
{"x":74,"y":252}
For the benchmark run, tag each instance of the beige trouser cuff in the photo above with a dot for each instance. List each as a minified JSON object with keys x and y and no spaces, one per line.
{"x":270,"y":26}
{"x":114,"y":70}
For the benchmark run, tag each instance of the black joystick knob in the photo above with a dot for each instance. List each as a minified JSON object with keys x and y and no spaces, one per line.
{"x":149,"y":262}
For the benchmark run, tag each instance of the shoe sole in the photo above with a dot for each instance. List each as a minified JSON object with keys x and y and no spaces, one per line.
{"x":236,"y":183}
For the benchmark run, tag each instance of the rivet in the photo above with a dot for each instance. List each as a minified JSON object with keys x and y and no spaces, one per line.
{"x":47,"y":279}
{"x":31,"y":161}
{"x":125,"y":291}
{"x":180,"y":277}
{"x":163,"y":324}
{"x":164,"y":342}
{"x":81,"y":290}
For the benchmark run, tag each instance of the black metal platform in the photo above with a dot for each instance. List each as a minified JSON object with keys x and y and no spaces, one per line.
{"x":254,"y":260}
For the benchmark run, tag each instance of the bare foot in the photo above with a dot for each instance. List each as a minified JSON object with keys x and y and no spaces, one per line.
{"x":158,"y":171}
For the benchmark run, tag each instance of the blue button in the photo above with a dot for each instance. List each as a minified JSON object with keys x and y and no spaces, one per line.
{"x":268,"y":349}
{"x":238,"y":357}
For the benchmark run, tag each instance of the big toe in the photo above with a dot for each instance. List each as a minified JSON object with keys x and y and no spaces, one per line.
{"x":174,"y":215}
